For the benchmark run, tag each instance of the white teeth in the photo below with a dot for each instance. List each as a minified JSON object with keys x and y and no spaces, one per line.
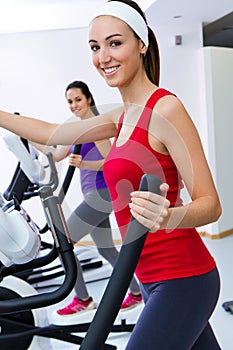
{"x":110,"y":70}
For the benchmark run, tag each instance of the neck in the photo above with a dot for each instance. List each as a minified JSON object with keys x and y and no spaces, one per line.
{"x":138,"y":92}
{"x":87,"y":115}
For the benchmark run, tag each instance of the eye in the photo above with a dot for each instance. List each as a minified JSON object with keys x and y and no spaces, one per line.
{"x":94,"y":48}
{"x":115,"y":43}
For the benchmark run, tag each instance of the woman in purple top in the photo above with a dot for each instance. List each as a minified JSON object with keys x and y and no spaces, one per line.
{"x":92,"y":215}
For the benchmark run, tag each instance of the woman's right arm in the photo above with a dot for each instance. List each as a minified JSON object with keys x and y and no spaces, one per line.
{"x":80,"y":131}
{"x":59,"y":152}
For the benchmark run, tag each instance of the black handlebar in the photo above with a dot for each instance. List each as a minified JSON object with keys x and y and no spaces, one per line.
{"x":121,"y":276}
{"x":68,"y":177}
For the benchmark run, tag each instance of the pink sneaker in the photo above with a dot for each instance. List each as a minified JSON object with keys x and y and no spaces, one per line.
{"x":131,"y":301}
{"x":76,"y":306}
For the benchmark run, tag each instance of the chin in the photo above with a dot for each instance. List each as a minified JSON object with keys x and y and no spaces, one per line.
{"x":111,"y":83}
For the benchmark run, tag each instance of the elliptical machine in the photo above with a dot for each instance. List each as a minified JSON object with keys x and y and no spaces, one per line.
{"x":21,"y":305}
{"x":19,"y":328}
{"x":228,"y":306}
{"x":26,"y":181}
{"x":20,"y":243}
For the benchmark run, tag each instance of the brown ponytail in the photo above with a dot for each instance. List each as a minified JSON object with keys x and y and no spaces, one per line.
{"x":152,"y":59}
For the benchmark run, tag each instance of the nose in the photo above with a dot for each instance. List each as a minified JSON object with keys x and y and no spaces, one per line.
{"x":74,"y":104}
{"x":104,"y":56}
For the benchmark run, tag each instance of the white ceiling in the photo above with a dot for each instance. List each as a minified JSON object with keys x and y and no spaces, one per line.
{"x":204,"y":11}
{"x":29,"y":15}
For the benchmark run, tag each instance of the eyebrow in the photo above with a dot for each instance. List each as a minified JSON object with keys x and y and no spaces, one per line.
{"x":107,"y":38}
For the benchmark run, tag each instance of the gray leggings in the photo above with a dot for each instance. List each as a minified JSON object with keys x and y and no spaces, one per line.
{"x":92,"y":217}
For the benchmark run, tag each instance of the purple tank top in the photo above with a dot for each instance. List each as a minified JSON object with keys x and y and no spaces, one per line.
{"x":91,"y":179}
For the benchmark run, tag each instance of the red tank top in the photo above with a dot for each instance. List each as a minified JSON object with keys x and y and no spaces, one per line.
{"x":169,"y":254}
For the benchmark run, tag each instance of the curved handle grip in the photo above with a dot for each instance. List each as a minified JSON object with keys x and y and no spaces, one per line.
{"x":121,"y":276}
{"x":69,"y":175}
{"x":53,"y":181}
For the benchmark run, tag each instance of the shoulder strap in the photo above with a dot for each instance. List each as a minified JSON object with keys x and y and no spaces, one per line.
{"x":156,"y":96}
{"x":153,"y":99}
{"x":119,"y":125}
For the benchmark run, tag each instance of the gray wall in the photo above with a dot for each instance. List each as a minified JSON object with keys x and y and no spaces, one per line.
{"x":218,"y":90}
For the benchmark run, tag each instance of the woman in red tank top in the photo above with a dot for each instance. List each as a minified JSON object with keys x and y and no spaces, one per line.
{"x":179,"y":278}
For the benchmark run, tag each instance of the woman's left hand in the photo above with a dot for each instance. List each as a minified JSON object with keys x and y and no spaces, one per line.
{"x":75,"y":160}
{"x":150,"y":209}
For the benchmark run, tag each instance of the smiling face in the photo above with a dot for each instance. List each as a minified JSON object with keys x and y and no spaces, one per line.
{"x":78,"y":103}
{"x":116,"y":52}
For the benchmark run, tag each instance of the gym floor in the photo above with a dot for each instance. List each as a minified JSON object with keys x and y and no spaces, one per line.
{"x":221,"y":321}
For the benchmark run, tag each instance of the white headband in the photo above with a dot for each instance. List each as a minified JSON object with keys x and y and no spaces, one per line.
{"x":127,"y":14}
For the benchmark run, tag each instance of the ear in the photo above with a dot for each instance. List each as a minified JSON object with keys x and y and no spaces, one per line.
{"x":142,"y":47}
{"x":89,"y":100}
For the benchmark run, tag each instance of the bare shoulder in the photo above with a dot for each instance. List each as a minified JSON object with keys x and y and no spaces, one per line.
{"x":169,"y":118}
{"x":170,"y":109}
{"x":169,"y":106}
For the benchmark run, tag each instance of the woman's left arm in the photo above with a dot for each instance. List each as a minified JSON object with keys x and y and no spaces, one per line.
{"x":103,"y":146}
{"x":175,"y":131}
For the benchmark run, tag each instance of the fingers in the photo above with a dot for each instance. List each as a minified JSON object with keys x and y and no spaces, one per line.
{"x":164,"y":189}
{"x":75,"y":160}
{"x":150,"y":209}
